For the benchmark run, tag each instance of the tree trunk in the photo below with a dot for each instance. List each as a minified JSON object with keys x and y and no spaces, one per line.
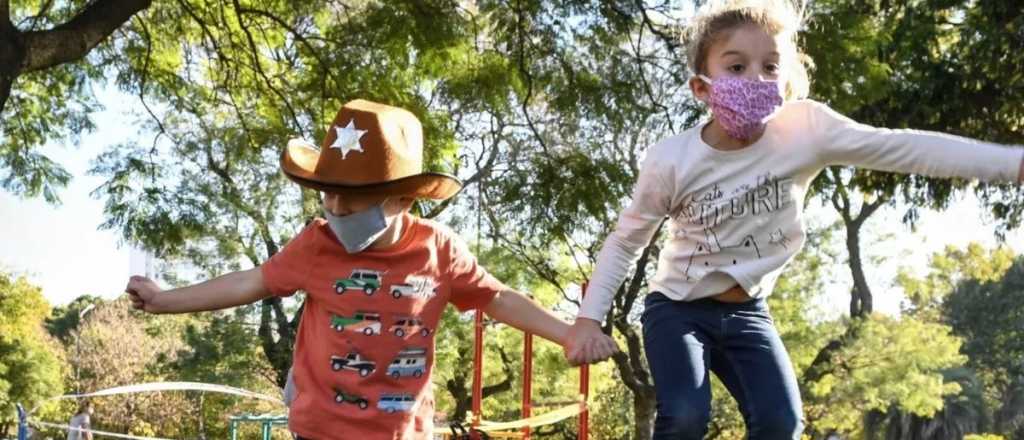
{"x":861,"y":300}
{"x":12,"y":53}
{"x":644,"y":408}
{"x":632,"y":363}
{"x":861,"y":304}
{"x":277,"y":349}
{"x":461,"y":393}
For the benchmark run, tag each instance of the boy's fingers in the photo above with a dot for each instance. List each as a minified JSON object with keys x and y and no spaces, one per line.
{"x":610,"y":345}
{"x":573,"y":355}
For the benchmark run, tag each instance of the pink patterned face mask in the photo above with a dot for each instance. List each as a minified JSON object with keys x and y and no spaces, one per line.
{"x":743,"y":106}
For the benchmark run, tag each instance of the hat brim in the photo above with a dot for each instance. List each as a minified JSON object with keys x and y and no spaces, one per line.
{"x":299,"y":164}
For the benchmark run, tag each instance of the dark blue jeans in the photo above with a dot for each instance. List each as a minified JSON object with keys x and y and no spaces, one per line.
{"x":736,"y":341}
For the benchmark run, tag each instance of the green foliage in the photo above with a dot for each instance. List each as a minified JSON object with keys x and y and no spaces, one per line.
{"x":221,"y":348}
{"x":64,"y":320}
{"x":948,"y":269}
{"x":988,"y":315}
{"x":918,"y":64}
{"x":984,"y":437}
{"x":31,"y":363}
{"x":892,"y":363}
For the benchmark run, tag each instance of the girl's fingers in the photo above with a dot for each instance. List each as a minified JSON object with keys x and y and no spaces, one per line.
{"x":595,"y":351}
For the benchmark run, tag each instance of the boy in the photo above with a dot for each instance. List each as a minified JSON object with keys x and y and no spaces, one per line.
{"x":377,"y":280}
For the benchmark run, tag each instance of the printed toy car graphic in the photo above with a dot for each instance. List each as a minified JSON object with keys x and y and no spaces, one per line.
{"x":343,"y":397}
{"x":354,"y":362}
{"x":408,"y":325}
{"x":414,"y":287}
{"x":361,"y":279}
{"x":391,"y":403}
{"x":409,"y":362}
{"x":365,"y":322}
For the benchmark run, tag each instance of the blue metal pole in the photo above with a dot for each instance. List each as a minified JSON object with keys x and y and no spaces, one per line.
{"x":22,"y":423}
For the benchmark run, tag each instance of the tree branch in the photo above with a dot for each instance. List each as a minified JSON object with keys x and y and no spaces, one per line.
{"x":73,"y":40}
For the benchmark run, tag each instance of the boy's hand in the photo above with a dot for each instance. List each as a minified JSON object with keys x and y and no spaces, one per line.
{"x":143,"y":292}
{"x":587,"y":344}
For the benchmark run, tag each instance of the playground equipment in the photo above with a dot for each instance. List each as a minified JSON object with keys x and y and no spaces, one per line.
{"x":499,"y":430}
{"x":266,"y":421}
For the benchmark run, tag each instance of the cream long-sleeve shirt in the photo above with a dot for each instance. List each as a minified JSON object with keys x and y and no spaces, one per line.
{"x":735,"y":217}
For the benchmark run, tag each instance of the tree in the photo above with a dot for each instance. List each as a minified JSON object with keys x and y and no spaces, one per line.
{"x":962,"y":413}
{"x":914,"y":64}
{"x":927,"y":299}
{"x":41,"y":44}
{"x":911,"y":64}
{"x":893,"y":363}
{"x":105,"y":360}
{"x":988,"y":314}
{"x":223,"y":349}
{"x":64,"y":320}
{"x":30,"y":361}
{"x":596,"y":82}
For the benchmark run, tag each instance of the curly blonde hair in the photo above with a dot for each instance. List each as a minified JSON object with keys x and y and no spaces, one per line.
{"x":717,"y":19}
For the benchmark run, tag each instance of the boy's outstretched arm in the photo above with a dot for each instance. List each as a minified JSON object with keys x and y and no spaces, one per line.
{"x":230,"y":290}
{"x":515,"y":309}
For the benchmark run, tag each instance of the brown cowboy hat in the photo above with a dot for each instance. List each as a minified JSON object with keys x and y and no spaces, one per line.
{"x":370,"y":148}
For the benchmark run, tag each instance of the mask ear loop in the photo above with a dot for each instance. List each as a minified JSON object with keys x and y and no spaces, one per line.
{"x":704,"y":78}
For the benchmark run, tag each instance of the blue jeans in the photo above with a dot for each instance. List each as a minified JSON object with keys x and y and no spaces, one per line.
{"x":736,"y":341}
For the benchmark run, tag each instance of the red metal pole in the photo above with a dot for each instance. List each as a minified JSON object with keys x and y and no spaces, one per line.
{"x":584,"y":432}
{"x":478,"y":365}
{"x":527,"y":380}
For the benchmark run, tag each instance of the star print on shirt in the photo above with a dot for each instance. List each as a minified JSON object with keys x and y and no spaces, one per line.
{"x":348,"y":139}
{"x":778,"y":238}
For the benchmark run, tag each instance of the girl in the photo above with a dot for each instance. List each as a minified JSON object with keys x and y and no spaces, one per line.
{"x":733,"y":189}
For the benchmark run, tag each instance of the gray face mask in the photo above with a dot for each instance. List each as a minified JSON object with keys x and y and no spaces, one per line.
{"x":358,"y":231}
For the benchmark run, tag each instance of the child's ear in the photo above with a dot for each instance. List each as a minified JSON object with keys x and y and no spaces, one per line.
{"x":700,"y":89}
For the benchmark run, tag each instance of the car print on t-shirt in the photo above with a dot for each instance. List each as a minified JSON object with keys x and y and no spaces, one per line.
{"x":411,"y":362}
{"x":343,"y":397}
{"x":407,"y":325}
{"x":396,"y":402}
{"x":414,"y":287}
{"x":354,"y":362}
{"x":367,"y":323}
{"x":367,"y":280}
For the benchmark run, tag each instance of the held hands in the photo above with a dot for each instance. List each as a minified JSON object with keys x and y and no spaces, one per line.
{"x":143,"y":293}
{"x":587,"y":344}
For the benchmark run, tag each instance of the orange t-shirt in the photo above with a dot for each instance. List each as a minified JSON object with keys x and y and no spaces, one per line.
{"x":365,"y":346}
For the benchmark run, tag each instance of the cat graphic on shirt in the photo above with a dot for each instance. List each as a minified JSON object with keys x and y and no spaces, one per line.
{"x":710,"y":255}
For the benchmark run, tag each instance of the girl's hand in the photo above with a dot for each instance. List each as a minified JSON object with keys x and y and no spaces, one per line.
{"x":143,"y":293}
{"x":587,"y":344}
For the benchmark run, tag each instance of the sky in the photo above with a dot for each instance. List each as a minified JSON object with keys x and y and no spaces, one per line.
{"x":62,"y":249}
